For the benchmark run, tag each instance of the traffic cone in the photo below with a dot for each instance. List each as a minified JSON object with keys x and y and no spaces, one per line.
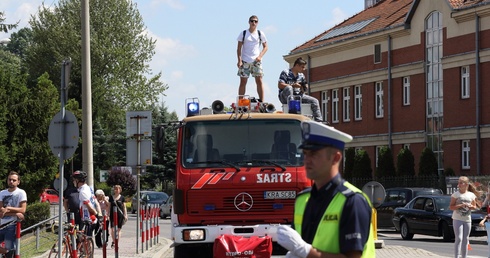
{"x":469,"y":247}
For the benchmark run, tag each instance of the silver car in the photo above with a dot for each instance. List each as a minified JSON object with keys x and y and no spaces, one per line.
{"x":166,"y":208}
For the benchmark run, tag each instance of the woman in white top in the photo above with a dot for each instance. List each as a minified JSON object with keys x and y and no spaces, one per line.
{"x":462,"y":202}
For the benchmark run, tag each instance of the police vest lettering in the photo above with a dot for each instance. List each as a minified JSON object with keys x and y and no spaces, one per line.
{"x":274,"y":178}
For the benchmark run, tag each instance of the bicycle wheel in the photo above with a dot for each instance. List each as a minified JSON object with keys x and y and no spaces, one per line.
{"x":65,"y":253}
{"x":86,"y":248}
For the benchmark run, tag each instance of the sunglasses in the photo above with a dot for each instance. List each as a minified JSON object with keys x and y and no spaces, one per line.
{"x":254,"y":21}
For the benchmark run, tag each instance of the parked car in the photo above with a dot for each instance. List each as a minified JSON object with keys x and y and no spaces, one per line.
{"x":49,"y":195}
{"x":399,"y":197}
{"x":430,"y":215}
{"x":166,"y":207}
{"x":148,"y":197}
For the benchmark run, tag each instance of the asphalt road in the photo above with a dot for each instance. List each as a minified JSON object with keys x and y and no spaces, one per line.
{"x":433,"y":244}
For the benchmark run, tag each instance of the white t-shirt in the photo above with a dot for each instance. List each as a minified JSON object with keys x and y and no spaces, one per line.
{"x":12,"y":199}
{"x":251,"y":45}
{"x":463,"y":214}
{"x":85,"y":196}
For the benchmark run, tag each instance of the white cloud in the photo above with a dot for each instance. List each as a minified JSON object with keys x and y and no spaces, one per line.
{"x":174,"y":4}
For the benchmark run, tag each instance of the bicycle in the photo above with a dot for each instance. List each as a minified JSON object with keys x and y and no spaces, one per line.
{"x":85,"y":243}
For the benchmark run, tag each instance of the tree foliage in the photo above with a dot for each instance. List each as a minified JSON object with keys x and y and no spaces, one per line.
{"x":405,"y":163}
{"x":386,"y":165}
{"x":4,"y":26}
{"x":163,"y":170}
{"x":350,"y":154}
{"x":362,"y":165}
{"x":428,"y":163}
{"x":25,"y":115}
{"x":120,"y":54}
{"x":124,"y":178}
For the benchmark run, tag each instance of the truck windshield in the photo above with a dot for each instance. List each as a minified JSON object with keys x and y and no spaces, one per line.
{"x":245,"y":143}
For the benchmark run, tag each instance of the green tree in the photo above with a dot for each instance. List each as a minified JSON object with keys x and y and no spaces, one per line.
{"x":362,"y":165}
{"x":164,"y":161}
{"x":124,"y":178}
{"x":428,"y":163}
{"x":386,"y":165}
{"x":19,"y":43}
{"x":4,"y":26}
{"x":120,"y":54}
{"x":405,"y":163}
{"x":350,"y":154}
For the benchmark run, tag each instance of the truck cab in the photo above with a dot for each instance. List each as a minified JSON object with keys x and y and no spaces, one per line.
{"x":237,"y":173}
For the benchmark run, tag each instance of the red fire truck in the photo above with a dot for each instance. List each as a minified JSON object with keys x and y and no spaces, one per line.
{"x":237,"y":174}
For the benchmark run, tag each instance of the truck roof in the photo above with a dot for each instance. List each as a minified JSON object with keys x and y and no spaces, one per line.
{"x":233,"y":116}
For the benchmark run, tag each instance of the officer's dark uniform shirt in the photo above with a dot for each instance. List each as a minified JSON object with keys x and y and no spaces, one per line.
{"x":353,"y":231}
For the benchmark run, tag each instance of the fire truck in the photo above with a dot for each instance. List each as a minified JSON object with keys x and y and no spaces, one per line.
{"x":237,"y":173}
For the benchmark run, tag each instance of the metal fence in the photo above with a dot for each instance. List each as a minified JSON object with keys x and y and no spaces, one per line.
{"x":38,"y":239}
{"x":402,"y":181}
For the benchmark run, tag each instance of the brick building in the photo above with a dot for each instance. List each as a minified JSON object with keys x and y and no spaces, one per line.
{"x":408,"y":74}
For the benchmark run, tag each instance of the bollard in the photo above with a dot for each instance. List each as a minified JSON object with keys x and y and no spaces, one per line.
{"x":104,"y":234}
{"x":17,"y":239}
{"x":374,"y":222}
{"x":73,"y":236}
{"x":116,"y":235}
{"x":142,"y":211}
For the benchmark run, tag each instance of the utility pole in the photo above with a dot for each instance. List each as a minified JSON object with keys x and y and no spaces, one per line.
{"x":87,"y":146}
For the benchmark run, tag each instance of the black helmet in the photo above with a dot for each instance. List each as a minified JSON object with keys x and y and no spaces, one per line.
{"x":79,"y":175}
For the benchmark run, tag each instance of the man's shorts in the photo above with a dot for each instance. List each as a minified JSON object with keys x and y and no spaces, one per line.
{"x":7,"y":235}
{"x":254,"y":68}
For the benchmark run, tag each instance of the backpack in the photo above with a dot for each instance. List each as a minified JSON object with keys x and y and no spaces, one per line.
{"x":260,"y":37}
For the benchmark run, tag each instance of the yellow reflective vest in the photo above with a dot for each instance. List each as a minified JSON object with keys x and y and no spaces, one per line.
{"x":329,"y":242}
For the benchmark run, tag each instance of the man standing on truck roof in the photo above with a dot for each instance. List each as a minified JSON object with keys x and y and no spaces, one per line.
{"x":250,"y":57}
{"x":334,"y":217}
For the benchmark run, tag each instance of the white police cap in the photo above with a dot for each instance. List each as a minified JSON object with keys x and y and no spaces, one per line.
{"x":317,"y":136}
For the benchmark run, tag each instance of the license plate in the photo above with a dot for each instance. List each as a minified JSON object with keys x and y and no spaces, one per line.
{"x":480,"y":229}
{"x":279,"y":194}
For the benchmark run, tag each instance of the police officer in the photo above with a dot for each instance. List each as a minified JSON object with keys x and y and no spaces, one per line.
{"x":333,"y":217}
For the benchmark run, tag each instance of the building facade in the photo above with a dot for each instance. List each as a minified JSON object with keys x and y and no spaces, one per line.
{"x":408,"y":74}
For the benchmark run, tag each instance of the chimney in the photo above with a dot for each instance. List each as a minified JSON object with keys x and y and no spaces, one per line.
{"x":369,"y":3}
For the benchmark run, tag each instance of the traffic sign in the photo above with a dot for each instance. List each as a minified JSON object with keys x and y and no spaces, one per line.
{"x":63,"y":148}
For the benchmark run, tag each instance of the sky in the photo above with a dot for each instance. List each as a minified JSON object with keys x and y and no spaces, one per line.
{"x":196,"y":41}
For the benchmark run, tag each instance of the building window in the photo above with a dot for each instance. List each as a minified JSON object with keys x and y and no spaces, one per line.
{"x":379,"y":100}
{"x":465,"y":154}
{"x":406,"y":146}
{"x":465,"y":82}
{"x":358,"y":103}
{"x":346,"y":107}
{"x":335,"y":106}
{"x":406,"y":91}
{"x":377,"y":53}
{"x":324,"y":105}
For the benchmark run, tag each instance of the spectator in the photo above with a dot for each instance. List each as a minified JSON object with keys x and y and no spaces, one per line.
{"x":13,"y":203}
{"x":292,"y":82}
{"x":462,"y":202}
{"x":104,"y":206}
{"x":117,"y":201}
{"x":89,"y":206}
{"x":250,"y":57}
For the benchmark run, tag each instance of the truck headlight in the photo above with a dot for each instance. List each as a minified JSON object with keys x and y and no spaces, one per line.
{"x":194,"y":234}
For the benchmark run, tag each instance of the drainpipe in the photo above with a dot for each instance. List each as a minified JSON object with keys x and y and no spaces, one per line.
{"x":308,"y":74}
{"x":477,"y":86}
{"x":390,"y":133}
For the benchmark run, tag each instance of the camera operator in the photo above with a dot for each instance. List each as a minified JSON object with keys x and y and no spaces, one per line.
{"x":292,"y":82}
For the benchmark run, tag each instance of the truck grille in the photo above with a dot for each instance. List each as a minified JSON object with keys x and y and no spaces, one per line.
{"x":222,"y":202}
